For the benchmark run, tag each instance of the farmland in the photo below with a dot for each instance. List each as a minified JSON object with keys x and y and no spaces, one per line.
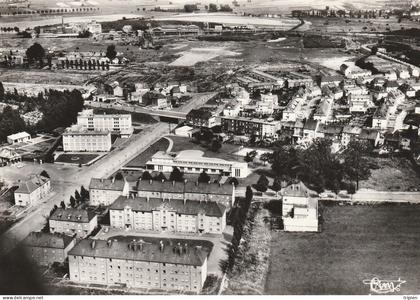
{"x":356,"y":243}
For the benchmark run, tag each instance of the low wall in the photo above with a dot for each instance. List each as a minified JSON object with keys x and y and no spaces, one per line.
{"x":384,"y":196}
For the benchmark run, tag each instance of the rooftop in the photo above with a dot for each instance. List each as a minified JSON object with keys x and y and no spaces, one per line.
{"x":72,"y":215}
{"x":47,"y":240}
{"x":106,"y":184}
{"x":19,"y":135}
{"x":35,"y":182}
{"x":184,"y":187}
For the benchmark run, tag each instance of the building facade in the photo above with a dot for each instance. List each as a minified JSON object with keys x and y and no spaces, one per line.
{"x":260,"y":127}
{"x":78,"y":140}
{"x":172,"y":215}
{"x":73,"y":221}
{"x":115,"y":123}
{"x":19,"y":137}
{"x":106,"y":191}
{"x":150,"y":265}
{"x":32,"y":191}
{"x":47,"y":248}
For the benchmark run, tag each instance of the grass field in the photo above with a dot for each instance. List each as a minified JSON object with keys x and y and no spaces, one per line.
{"x":394,"y":174}
{"x":141,"y":159}
{"x":76,"y":158}
{"x":356,"y":243}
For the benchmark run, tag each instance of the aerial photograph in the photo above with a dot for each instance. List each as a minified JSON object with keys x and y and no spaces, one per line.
{"x":209,"y":148}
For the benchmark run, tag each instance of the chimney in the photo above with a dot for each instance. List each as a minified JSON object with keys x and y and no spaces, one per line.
{"x":161,"y":246}
{"x":180,"y":250}
{"x":150,"y":181}
{"x":163,"y":180}
{"x":109,"y":243}
{"x":173,"y":182}
{"x":185,"y":201}
{"x":102,"y":180}
{"x":113,"y":179}
{"x":93,"y":244}
{"x":147,"y":198}
{"x":128,"y":196}
{"x":186,"y":248}
{"x":185,"y":180}
{"x":132,"y":196}
{"x":196,"y":183}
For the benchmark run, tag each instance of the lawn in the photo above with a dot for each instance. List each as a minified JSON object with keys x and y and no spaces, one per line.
{"x":356,"y":243}
{"x":226,"y":152}
{"x":140,"y":160}
{"x":393,"y":174}
{"x":76,"y":158}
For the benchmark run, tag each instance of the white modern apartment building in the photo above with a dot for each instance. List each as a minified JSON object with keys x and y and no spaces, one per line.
{"x":114,"y":123}
{"x":193,"y":161}
{"x":77,"y":139}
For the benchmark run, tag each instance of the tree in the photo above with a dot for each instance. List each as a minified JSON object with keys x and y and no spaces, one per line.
{"x":356,"y":165}
{"x":1,"y":91}
{"x":265,"y":157}
{"x":234,"y":181}
{"x":189,"y":8}
{"x":249,"y":157}
{"x":176,"y":175}
{"x":277,"y":184}
{"x":160,"y":177}
{"x":249,"y":194}
{"x":146,"y":176}
{"x":72,"y":202}
{"x":204,"y":177}
{"x":63,"y":205}
{"x":111,"y":53}
{"x":262,"y":184}
{"x":212,"y":7}
{"x":35,"y":52}
{"x":119,"y":176}
{"x":84,"y":193}
{"x":44,"y":174}
{"x":77,"y":196}
{"x":215,"y":145}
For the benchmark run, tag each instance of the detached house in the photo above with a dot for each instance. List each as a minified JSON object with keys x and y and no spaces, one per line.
{"x":32,"y":191}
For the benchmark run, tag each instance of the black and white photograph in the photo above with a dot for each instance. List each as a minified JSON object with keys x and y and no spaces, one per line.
{"x":209,"y":148}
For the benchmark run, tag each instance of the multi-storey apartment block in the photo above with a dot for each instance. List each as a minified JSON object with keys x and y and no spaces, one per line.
{"x":32,"y":191}
{"x":46,"y":248}
{"x":115,"y":123}
{"x":73,"y":221}
{"x":151,"y":264}
{"x":220,"y":193}
{"x":76,"y":139}
{"x":105,"y":191}
{"x":264,"y":128}
{"x":173,"y":215}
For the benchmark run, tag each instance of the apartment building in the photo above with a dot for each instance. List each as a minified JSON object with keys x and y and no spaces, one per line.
{"x":32,"y":190}
{"x":73,"y":221}
{"x":115,"y":123}
{"x":220,"y":193}
{"x":360,"y":103}
{"x":76,"y":139}
{"x":263,"y":128}
{"x":151,"y":264}
{"x":193,"y":161}
{"x":47,"y":248}
{"x":201,"y":117}
{"x":299,"y":210}
{"x":104,"y":191}
{"x":172,"y":215}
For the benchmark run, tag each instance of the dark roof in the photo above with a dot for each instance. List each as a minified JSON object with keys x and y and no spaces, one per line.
{"x":330,"y":129}
{"x":142,"y":251}
{"x":32,"y":184}
{"x":47,"y":240}
{"x":189,"y":207}
{"x":392,"y":84}
{"x":182,"y":187}
{"x":200,"y":113}
{"x":72,"y":215}
{"x":106,"y":184}
{"x":310,"y":125}
{"x":368,"y":134}
{"x":296,"y":189}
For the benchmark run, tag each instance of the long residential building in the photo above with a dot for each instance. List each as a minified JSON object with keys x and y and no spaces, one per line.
{"x":173,"y":215}
{"x":76,"y":139}
{"x":251,"y":126}
{"x":220,"y":193}
{"x":47,"y":248}
{"x":194,"y":161}
{"x":151,"y":264}
{"x":115,"y":123}
{"x":73,"y":221}
{"x":105,"y":191}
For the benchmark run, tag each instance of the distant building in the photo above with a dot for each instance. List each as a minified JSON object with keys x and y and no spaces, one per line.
{"x":18,"y":138}
{"x":33,"y":117}
{"x":220,"y":193}
{"x":47,"y":248}
{"x":73,"y":221}
{"x":78,"y":139}
{"x":201,"y":118}
{"x":263,"y":128}
{"x":106,"y":191}
{"x":178,"y":265}
{"x":299,"y":210}
{"x":172,"y":215}
{"x":193,"y":161}
{"x":115,"y":123}
{"x":32,"y":191}
{"x":9,"y":155}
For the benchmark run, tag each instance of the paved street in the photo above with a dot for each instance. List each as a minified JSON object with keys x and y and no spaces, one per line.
{"x":66,"y":179}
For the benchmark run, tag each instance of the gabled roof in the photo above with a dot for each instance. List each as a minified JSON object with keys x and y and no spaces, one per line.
{"x":106,"y":184}
{"x":184,"y":187}
{"x":200,"y":113}
{"x":35,"y":182}
{"x":47,"y":240}
{"x":189,"y":207}
{"x":72,"y":215}
{"x":296,"y":189}
{"x":19,"y":135}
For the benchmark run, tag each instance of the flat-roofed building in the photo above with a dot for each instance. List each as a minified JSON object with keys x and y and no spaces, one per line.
{"x":150,"y":264}
{"x":173,"y":215}
{"x":299,"y":210}
{"x":104,"y":191}
{"x":32,"y":190}
{"x":77,"y":139}
{"x":115,"y":123}
{"x":73,"y":221}
{"x":220,"y":193}
{"x":194,"y":161}
{"x":47,"y":248}
{"x":19,"y":137}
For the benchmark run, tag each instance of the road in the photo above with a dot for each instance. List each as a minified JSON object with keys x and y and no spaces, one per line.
{"x":65,"y":180}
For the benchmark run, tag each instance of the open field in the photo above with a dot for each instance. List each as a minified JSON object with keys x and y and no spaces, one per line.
{"x":195,"y":55}
{"x":77,"y":159}
{"x":356,"y":243}
{"x":393,"y":174}
{"x":142,"y":158}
